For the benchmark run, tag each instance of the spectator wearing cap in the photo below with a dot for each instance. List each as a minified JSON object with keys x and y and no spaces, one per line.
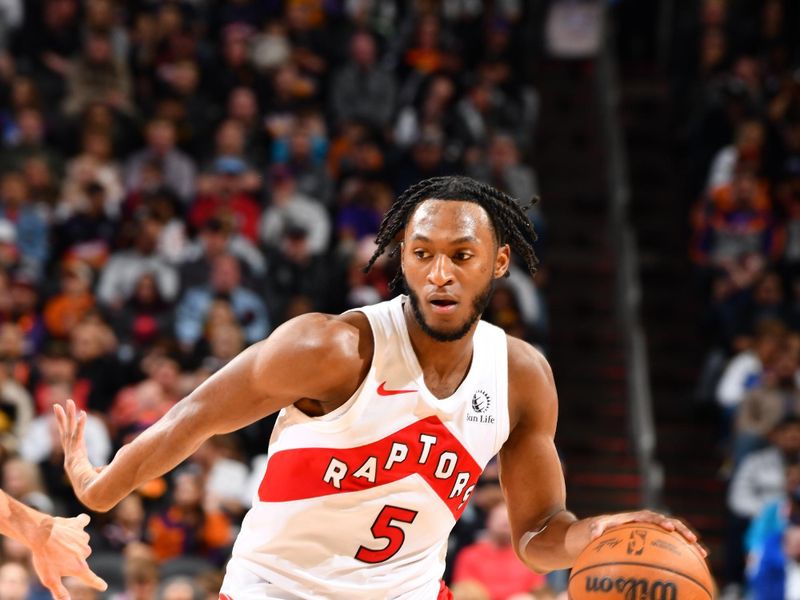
{"x":224,"y":281}
{"x":125,"y":268}
{"x":226,"y":198}
{"x":30,"y":228}
{"x":361,"y":89}
{"x":9,"y":254}
{"x":289,"y":208}
{"x":178,"y":169}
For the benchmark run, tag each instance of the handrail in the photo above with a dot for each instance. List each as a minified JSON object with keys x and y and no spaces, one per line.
{"x":628,"y":286}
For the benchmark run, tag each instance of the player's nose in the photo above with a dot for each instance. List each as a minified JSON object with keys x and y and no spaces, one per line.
{"x":441,"y":273}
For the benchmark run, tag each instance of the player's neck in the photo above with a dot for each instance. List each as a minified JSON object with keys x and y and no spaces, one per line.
{"x":442,"y":358}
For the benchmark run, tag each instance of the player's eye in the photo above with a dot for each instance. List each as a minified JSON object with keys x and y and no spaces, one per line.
{"x":463,"y":256}
{"x":420,"y":253}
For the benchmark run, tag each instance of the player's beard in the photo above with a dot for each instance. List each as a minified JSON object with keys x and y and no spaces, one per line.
{"x":479,"y":304}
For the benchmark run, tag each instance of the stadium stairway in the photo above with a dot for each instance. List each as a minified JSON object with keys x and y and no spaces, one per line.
{"x":671,"y":312}
{"x":585,"y":346}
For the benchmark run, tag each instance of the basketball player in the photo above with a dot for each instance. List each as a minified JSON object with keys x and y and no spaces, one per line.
{"x":59,"y":546}
{"x":389,"y":413}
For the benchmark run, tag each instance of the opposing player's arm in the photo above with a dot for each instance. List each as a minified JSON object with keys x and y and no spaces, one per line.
{"x":59,"y":547}
{"x":548,"y":537}
{"x":271,"y":374}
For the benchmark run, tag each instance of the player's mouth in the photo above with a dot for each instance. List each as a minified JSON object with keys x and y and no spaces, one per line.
{"x":443,"y":304}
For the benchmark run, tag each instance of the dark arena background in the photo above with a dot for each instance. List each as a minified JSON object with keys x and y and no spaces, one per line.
{"x":178,"y":178}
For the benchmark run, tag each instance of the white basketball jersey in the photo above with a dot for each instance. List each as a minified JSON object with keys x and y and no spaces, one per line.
{"x":359,"y":503}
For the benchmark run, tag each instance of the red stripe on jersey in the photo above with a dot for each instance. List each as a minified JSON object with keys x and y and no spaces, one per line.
{"x":431,"y":451}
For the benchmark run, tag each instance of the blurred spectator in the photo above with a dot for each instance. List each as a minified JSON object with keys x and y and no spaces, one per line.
{"x":770,"y":403}
{"x":16,"y":410}
{"x":179,"y":588}
{"x":126,"y":267}
{"x":126,"y":525}
{"x":15,"y":582}
{"x":97,"y":75}
{"x":760,"y":477}
{"x":361,"y":90}
{"x":737,"y":221}
{"x":774,"y":576}
{"x":41,"y":442}
{"x":292,"y":210}
{"x":23,"y":481}
{"x":775,"y":517}
{"x":94,"y":165}
{"x":87,"y":233}
{"x":30,"y":229}
{"x":493,"y":561}
{"x":215,"y":238}
{"x":178,"y":169}
{"x":226,"y":198}
{"x":193,"y":524}
{"x":747,"y":149}
{"x":225,"y":281}
{"x":744,"y":370}
{"x":145,"y":317}
{"x":66,"y":309}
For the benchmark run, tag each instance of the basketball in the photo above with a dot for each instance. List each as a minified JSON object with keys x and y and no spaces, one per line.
{"x":640,"y":561}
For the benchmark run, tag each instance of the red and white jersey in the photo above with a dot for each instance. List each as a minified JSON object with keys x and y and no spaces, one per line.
{"x":359,"y":503}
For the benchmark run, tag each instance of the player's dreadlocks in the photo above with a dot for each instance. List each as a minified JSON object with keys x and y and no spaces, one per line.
{"x":511,"y":224}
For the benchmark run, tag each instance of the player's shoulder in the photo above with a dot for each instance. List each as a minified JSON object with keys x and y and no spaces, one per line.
{"x":531,"y":386}
{"x":342,"y":337}
{"x":526,"y":362}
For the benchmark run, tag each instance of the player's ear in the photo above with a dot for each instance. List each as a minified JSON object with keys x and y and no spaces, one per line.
{"x":400,"y":248}
{"x":502,"y":261}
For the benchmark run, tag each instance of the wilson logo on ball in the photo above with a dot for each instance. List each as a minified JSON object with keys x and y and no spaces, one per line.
{"x":633,"y":589}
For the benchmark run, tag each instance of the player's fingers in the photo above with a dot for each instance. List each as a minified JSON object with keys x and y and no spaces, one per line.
{"x":81,"y":424}
{"x":88,"y":577}
{"x":83,"y":520}
{"x":61,"y":419}
{"x":685,"y":531}
{"x":57,"y":589}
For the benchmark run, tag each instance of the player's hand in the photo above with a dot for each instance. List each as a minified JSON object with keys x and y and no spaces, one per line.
{"x":60,"y":548}
{"x":80,"y":471}
{"x":604,"y":522}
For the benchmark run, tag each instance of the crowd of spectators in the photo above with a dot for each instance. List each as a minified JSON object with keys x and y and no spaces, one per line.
{"x":177,"y":178}
{"x":737,"y":94}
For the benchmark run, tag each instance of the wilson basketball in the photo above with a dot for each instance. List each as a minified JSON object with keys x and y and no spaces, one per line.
{"x":640,"y":561}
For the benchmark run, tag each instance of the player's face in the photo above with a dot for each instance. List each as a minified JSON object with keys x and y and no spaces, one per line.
{"x":450,"y":259}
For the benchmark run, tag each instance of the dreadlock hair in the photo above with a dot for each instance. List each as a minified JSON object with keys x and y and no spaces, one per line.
{"x":511,"y":224}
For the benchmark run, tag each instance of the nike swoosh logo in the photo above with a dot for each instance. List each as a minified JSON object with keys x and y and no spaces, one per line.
{"x":382,"y":391}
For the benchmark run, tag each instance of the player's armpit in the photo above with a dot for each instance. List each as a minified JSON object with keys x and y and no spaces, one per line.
{"x":266,"y":377}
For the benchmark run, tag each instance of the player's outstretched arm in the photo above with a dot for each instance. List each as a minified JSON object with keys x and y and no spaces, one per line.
{"x":313,"y":356}
{"x":59,"y":546}
{"x":547,"y":536}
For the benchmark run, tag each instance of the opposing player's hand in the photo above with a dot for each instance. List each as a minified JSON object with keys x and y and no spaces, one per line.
{"x":604,"y":522}
{"x":60,"y":548}
{"x":80,"y":471}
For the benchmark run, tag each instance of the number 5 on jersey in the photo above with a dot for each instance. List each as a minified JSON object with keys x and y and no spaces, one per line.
{"x":385,"y":527}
